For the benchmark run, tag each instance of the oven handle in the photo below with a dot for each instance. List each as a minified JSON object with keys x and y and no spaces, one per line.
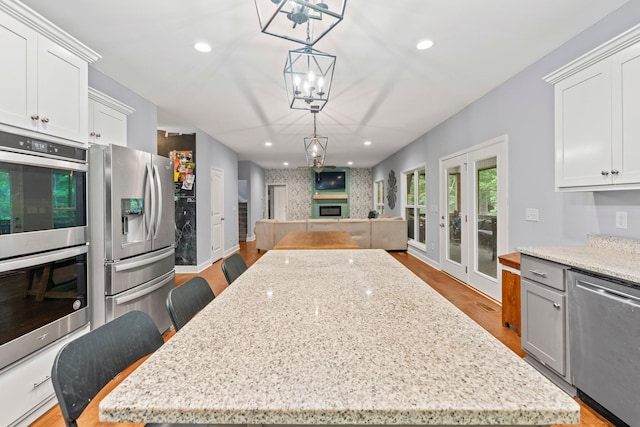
{"x":25,"y":159}
{"x":148,"y":290}
{"x":33,"y":260}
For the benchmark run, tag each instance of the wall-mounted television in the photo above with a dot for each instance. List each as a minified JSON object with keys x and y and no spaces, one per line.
{"x":330,"y":180}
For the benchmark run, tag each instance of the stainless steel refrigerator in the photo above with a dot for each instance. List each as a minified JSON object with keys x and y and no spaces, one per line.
{"x":131,"y":233}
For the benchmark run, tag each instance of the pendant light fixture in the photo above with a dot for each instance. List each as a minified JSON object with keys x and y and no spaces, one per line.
{"x":308,"y":74}
{"x":300,"y":21}
{"x":316,"y":148}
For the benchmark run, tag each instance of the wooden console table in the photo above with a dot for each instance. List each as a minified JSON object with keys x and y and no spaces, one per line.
{"x":511,"y":291}
{"x":317,"y":240}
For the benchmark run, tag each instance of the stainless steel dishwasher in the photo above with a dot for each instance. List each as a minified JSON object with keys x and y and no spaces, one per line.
{"x":604,"y":320}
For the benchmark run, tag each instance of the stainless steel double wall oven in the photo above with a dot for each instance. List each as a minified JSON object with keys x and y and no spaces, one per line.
{"x":43,"y":243}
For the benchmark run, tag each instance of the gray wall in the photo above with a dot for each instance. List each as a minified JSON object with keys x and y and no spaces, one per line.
{"x":142,"y":124}
{"x":254,"y":175}
{"x":523,"y":109}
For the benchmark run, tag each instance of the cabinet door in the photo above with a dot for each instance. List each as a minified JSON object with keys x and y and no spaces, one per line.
{"x":626,"y":114}
{"x":109,"y":125}
{"x":18,"y":77}
{"x":62,"y":92}
{"x":583,"y":128}
{"x":543,"y":325}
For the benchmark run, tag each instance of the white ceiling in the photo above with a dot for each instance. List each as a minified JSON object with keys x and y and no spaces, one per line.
{"x":384,"y":89}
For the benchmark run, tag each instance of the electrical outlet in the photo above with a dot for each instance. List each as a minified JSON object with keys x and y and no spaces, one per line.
{"x":621,"y":219}
{"x":531,"y":214}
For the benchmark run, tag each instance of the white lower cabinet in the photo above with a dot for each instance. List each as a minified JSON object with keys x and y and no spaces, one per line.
{"x":26,"y":391}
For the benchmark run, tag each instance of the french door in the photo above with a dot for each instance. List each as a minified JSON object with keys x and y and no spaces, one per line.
{"x":473,"y":215}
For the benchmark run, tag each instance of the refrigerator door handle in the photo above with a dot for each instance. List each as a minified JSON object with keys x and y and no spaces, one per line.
{"x":146,"y":291}
{"x":152,"y":208}
{"x":143,"y":262}
{"x":156,"y":174}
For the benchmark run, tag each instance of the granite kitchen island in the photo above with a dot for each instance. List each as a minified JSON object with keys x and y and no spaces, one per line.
{"x":346,"y":337}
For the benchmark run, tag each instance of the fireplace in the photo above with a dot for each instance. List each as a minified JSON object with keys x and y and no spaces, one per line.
{"x":331,"y":210}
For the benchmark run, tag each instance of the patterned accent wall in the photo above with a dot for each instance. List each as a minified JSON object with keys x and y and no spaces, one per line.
{"x":361,"y":200}
{"x":298,"y":182}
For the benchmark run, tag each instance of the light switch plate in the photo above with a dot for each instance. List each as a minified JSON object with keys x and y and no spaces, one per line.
{"x":531,"y":214}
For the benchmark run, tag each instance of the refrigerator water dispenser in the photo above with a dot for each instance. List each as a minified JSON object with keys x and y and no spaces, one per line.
{"x":132,"y":213}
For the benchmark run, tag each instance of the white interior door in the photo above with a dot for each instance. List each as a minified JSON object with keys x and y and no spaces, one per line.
{"x":217,"y":214}
{"x":474,"y":184}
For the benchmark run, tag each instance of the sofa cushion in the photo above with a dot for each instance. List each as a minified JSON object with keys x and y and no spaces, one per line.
{"x":389,"y":234}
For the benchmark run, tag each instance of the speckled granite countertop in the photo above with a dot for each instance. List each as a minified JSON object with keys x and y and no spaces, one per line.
{"x":612,"y":256}
{"x":335,"y":337}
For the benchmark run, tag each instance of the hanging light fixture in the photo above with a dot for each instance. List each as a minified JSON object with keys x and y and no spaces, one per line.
{"x":299,"y":20}
{"x":316,"y":148}
{"x":308,"y":74}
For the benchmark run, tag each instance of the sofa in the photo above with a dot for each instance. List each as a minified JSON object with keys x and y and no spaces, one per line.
{"x":376,"y":233}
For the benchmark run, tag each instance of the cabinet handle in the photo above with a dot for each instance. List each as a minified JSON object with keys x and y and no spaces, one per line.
{"x":35,"y":117}
{"x":556,"y":305}
{"x":97,"y":135}
{"x":615,"y":172}
{"x":538,"y":273}
{"x":604,"y":173}
{"x":36,"y":385}
{"x":44,"y":120}
{"x":92,"y":134}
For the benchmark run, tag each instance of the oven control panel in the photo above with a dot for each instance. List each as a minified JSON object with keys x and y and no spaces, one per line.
{"x":14,"y":142}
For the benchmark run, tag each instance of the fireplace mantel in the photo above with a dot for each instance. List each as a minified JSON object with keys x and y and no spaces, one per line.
{"x":330,"y":196}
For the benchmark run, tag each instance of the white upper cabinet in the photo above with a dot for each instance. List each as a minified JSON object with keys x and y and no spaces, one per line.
{"x":45,"y":78}
{"x":626,"y":114}
{"x":107,"y":119}
{"x":597,"y":133}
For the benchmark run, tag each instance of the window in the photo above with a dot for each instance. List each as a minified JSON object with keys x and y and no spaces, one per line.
{"x":379,"y":196}
{"x":416,"y":205}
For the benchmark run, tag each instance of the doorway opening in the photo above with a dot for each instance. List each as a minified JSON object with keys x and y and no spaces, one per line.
{"x":277,"y":202}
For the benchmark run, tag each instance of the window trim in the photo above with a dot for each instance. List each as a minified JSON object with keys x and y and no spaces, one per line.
{"x":404,"y":190}
{"x":378,"y":204}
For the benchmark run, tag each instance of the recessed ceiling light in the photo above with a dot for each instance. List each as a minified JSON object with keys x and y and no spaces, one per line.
{"x":349,"y":163}
{"x":268,"y":143}
{"x":424,"y":44}
{"x":202,"y":47}
{"x":286,"y":163}
{"x":367,"y":143}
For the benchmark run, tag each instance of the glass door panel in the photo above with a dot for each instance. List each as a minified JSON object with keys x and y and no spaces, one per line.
{"x":487,"y":216}
{"x":454,"y":220}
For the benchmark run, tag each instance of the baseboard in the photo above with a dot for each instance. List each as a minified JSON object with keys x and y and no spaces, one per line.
{"x":231,"y":250}
{"x":422,"y":257}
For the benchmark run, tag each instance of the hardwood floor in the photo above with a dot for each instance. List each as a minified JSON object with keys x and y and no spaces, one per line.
{"x":484,"y":311}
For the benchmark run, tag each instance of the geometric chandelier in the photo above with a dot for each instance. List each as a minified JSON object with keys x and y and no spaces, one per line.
{"x":300,"y":21}
{"x":315,"y":148}
{"x":308,"y":74}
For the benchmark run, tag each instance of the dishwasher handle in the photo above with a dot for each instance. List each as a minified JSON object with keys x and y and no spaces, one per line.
{"x":603,"y":291}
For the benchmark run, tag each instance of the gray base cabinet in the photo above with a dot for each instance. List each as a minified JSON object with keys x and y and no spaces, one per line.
{"x":545,"y":334}
{"x":543,"y":317}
